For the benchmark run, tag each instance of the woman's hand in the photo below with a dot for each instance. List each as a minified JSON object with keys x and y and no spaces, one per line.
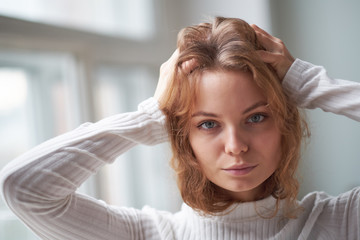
{"x":276,"y":52}
{"x":166,"y":72}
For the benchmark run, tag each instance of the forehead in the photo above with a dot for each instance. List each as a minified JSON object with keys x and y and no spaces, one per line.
{"x":222,"y":88}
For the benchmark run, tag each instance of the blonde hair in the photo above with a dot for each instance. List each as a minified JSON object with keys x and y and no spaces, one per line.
{"x":227,"y":44}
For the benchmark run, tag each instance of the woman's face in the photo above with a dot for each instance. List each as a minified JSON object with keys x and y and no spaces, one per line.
{"x":233,"y":134}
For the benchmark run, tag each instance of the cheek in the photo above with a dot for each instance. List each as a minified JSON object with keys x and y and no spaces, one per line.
{"x":268,"y":143}
{"x":204,"y":148}
{"x":198,"y":145}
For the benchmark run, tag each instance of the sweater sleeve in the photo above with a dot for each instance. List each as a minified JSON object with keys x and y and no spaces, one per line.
{"x":39,"y":186}
{"x":311,"y":87}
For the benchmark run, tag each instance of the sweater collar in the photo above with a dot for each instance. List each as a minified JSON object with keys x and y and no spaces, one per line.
{"x":240,"y":211}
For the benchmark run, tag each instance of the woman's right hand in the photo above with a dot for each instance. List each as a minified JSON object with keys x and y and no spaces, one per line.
{"x":276,"y":52}
{"x":166,"y":72}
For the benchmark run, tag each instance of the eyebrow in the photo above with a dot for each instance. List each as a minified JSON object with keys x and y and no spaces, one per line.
{"x":249,"y":109}
{"x":205,"y":114}
{"x":256,"y":105}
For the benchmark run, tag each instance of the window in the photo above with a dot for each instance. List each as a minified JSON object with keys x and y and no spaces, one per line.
{"x":35,"y":105}
{"x":135,"y":177}
{"x":14,"y":91}
{"x":68,"y":75}
{"x":109,"y":17}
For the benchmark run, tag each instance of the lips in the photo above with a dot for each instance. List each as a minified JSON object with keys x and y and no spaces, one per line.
{"x":240,"y":170}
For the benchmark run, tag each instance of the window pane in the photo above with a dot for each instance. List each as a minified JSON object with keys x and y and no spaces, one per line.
{"x":133,"y":19}
{"x":141,"y":176}
{"x":34,"y":106}
{"x":13,"y":113}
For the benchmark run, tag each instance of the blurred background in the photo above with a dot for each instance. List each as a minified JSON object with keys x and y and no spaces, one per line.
{"x":65,"y":62}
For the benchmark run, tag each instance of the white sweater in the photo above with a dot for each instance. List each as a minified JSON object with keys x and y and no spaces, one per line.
{"x":40,"y":185}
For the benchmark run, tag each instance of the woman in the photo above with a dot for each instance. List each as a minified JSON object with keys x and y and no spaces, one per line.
{"x":208,"y":126}
{"x":235,"y":134}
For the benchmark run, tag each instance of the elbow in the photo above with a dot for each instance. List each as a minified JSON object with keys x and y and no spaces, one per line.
{"x":25,"y":200}
{"x":15,"y":189}
{"x":10,"y":190}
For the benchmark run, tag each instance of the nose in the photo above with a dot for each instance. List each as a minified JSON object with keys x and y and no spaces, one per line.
{"x":235,"y":143}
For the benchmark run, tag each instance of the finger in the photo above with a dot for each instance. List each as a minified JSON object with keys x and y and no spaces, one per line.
{"x":264,"y":33}
{"x":189,"y":65}
{"x":278,"y":61}
{"x":269,"y":57}
{"x":269,"y":43}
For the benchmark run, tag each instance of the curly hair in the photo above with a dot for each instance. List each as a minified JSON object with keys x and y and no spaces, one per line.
{"x":228,"y":44}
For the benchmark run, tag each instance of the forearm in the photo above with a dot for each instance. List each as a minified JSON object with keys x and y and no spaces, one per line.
{"x":311,"y":87}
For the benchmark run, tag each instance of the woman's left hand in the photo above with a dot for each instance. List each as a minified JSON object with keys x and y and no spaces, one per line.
{"x":276,"y":52}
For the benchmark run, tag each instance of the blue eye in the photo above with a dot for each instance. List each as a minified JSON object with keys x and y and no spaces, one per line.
{"x":256,"y":118}
{"x":208,"y":125}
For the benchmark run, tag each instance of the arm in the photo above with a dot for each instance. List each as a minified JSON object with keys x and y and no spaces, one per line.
{"x":309,"y":85}
{"x":40,"y":185}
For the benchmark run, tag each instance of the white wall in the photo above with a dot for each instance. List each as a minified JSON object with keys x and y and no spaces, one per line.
{"x":249,"y":10}
{"x":190,"y":12}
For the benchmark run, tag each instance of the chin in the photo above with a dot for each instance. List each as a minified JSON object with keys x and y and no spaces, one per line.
{"x":244,"y":193}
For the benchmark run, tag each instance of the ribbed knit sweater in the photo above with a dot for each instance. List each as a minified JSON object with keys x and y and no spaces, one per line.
{"x":40,"y":186}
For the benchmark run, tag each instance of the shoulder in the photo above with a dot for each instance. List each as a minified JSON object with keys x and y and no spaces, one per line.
{"x":314,"y":199}
{"x":332,"y":215}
